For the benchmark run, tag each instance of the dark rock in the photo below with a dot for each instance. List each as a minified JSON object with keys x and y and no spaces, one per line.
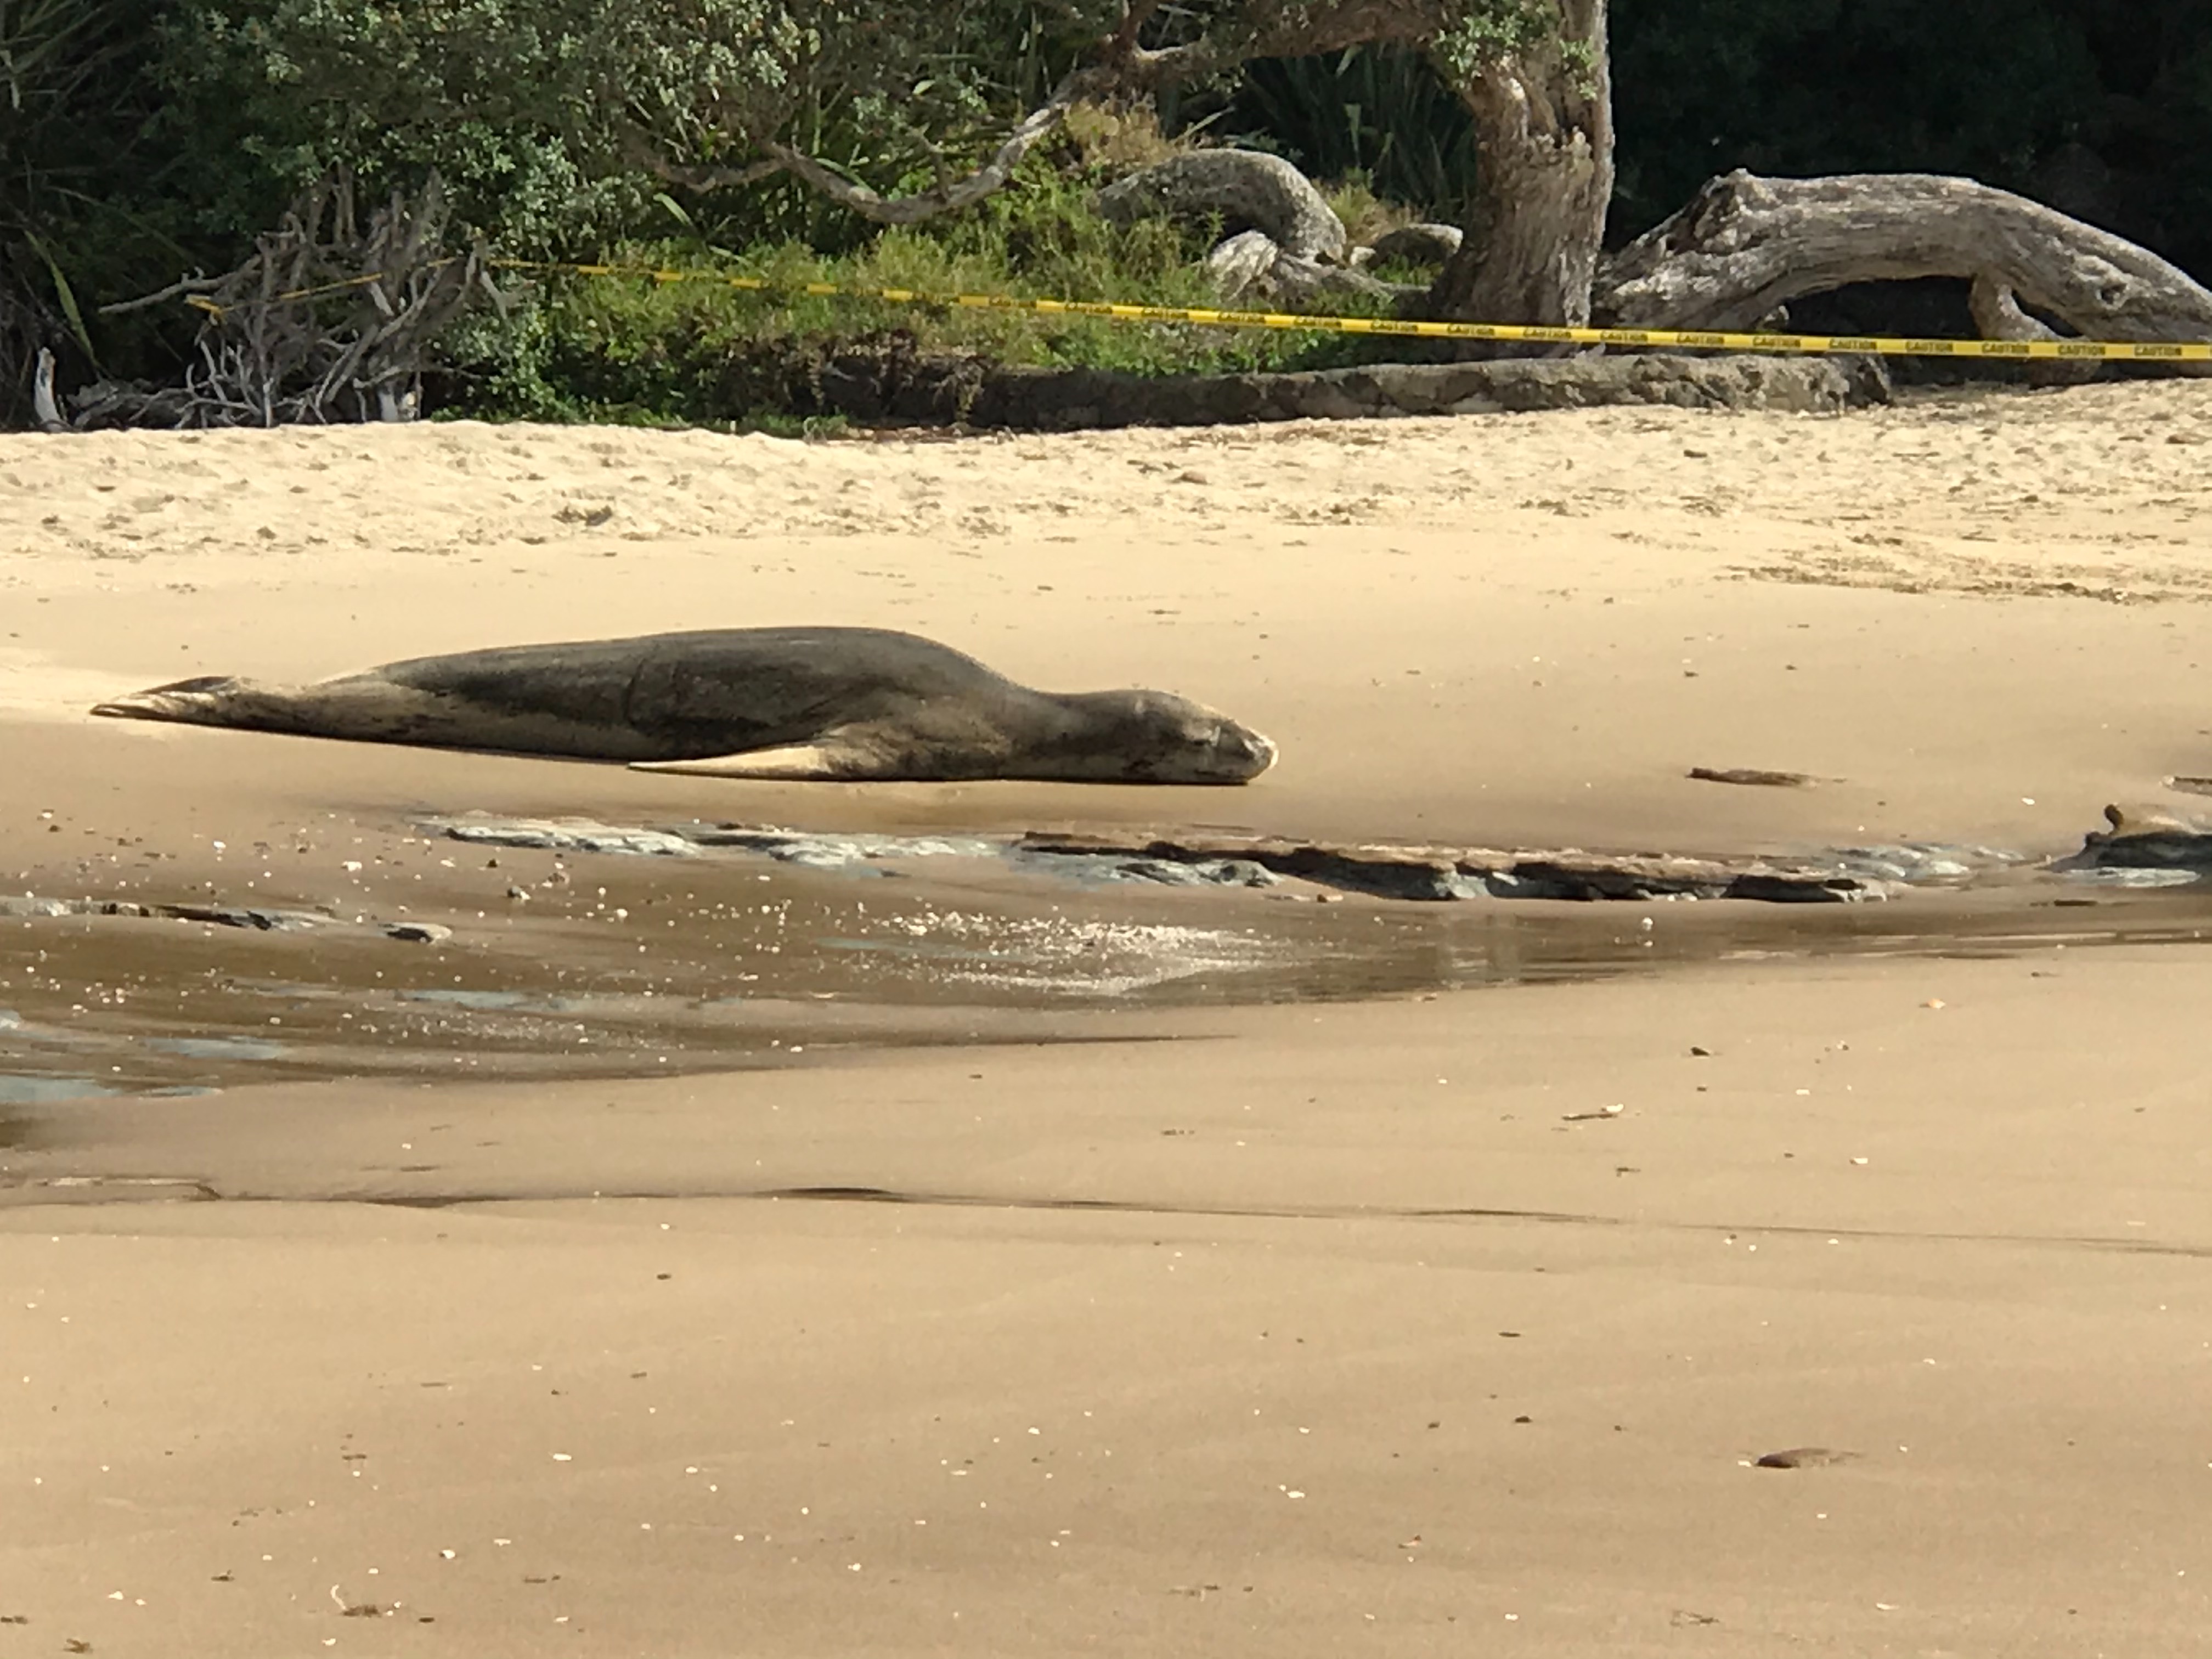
{"x":1803,"y":1457}
{"x":1445,"y":873}
{"x":1752,"y":776}
{"x":2143,"y":838}
{"x":219,"y":916}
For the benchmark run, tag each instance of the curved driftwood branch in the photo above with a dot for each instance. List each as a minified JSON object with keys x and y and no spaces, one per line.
{"x":640,"y":151}
{"x":184,"y":285}
{"x":1745,"y":244}
{"x":1247,"y":188}
{"x":1287,"y":246}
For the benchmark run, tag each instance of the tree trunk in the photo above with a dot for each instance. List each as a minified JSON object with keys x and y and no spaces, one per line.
{"x":1745,"y":245}
{"x":1544,"y":179}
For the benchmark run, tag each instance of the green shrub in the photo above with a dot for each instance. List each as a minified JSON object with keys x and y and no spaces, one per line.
{"x":692,"y":348}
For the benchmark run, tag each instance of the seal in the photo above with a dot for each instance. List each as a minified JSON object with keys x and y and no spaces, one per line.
{"x":858,"y":704}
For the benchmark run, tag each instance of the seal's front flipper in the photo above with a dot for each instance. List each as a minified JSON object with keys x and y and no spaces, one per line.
{"x":830,"y":759}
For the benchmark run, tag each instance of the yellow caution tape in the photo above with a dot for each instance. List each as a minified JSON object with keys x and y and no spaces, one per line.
{"x":201,"y":302}
{"x":1685,"y":339}
{"x":1691,"y":339}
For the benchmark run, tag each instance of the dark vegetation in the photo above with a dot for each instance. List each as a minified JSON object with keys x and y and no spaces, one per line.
{"x":2104,"y":111}
{"x":142,"y":140}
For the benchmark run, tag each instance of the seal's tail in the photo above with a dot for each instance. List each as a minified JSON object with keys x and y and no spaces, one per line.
{"x":194,"y":701}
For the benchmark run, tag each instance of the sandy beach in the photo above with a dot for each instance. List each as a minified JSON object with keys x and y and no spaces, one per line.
{"x":696,"y":1257}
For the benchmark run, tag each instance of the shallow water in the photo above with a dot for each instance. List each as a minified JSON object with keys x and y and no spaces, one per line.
{"x":595,"y":965}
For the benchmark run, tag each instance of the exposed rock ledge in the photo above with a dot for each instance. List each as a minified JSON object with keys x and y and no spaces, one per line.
{"x":1439,"y":872}
{"x":895,"y":386}
{"x":2147,"y":840}
{"x":259,"y":918}
{"x":1389,"y":871}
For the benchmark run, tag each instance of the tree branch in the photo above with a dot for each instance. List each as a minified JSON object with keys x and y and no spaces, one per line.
{"x":1291,"y":31}
{"x":186,"y":285}
{"x":638,"y":149}
{"x":956,"y":193}
{"x":1121,"y":45}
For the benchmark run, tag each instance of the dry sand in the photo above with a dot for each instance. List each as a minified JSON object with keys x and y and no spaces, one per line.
{"x":1300,"y":1328}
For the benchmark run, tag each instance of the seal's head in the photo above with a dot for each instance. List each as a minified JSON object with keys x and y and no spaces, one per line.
{"x":1155,"y":737}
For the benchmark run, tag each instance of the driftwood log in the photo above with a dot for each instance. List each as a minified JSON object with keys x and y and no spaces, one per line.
{"x":1745,"y":245}
{"x":1731,"y":260}
{"x":1244,"y":189}
{"x":1285,"y":244}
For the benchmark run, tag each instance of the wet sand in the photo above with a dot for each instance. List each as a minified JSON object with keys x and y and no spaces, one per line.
{"x":1021,"y":1321}
{"x":1318,"y":1328}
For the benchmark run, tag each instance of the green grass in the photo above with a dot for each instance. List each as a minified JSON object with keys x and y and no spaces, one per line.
{"x":697,"y":350}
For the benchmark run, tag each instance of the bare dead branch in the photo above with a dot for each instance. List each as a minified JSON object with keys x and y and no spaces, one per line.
{"x":175,"y":290}
{"x":43,"y":409}
{"x":332,"y":319}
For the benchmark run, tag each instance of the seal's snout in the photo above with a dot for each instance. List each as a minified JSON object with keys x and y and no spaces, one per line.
{"x":1235,"y":754}
{"x":1248,"y":753}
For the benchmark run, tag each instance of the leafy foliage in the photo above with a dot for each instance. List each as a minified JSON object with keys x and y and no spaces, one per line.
{"x":1484,"y":30}
{"x":557,"y":122}
{"x":692,"y":348}
{"x":146,"y":138}
{"x":1383,"y":113}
